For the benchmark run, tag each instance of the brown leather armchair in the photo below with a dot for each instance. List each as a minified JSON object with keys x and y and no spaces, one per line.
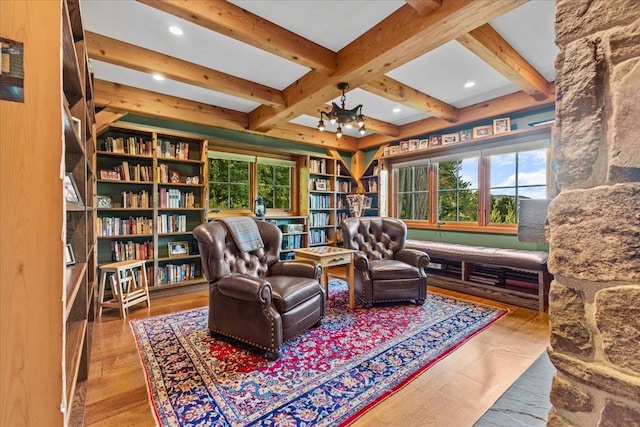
{"x":253,"y":296}
{"x":385,"y":270}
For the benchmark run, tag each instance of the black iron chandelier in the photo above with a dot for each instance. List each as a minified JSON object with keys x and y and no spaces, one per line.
{"x":342,"y":116}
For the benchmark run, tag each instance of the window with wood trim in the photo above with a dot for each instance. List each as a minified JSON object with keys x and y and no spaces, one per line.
{"x":236,"y":179}
{"x":479,"y":188}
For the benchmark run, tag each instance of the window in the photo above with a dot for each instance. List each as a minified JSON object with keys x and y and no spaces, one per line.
{"x":516,"y":176}
{"x":413,"y":192}
{"x":274,"y":182}
{"x":474,"y":189}
{"x":236,"y":179}
{"x":458,"y":190}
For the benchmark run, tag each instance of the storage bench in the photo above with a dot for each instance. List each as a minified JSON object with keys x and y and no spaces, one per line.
{"x":515,"y":276}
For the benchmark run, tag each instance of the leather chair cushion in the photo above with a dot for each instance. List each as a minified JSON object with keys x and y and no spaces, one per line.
{"x":289,"y":291}
{"x":389,"y":269}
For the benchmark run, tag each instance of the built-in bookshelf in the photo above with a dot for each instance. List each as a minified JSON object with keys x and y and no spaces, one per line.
{"x":328,"y":185}
{"x":294,"y":234}
{"x":371,"y":185}
{"x":151,"y":195}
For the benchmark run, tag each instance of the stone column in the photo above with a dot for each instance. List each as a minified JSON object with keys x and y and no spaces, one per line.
{"x":594,"y":223}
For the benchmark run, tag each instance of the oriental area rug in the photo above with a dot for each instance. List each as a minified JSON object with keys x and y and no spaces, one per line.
{"x":327,"y":377}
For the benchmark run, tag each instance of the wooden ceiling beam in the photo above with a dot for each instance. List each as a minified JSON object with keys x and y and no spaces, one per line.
{"x":393,"y":90}
{"x":126,"y":98}
{"x":127,"y":55}
{"x":106,"y":116}
{"x":487,"y":44}
{"x":398,"y":39}
{"x":237,"y":23}
{"x":497,"y":107}
{"x":424,"y":7}
{"x":119,"y":98}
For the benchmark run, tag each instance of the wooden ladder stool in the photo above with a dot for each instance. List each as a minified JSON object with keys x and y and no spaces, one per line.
{"x":126,"y":288}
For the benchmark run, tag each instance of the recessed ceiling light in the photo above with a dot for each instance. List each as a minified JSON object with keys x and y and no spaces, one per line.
{"x":348,"y":126}
{"x":158,"y":77}
{"x":397,"y":110}
{"x":469,"y":84}
{"x":175,"y":30}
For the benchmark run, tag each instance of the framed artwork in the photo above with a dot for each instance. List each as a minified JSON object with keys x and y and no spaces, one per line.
{"x":395,"y":149}
{"x":466,"y":135}
{"x":450,"y":138}
{"x":386,"y":151}
{"x":366,"y":203}
{"x":480,"y":131}
{"x":69,"y":256}
{"x":424,"y":143}
{"x":71,"y":193}
{"x":413,"y":144}
{"x":435,"y":140}
{"x":321,"y":184}
{"x":501,"y":125}
{"x":174,"y":176}
{"x":178,"y":249}
{"x":404,"y":146}
{"x":105,"y":202}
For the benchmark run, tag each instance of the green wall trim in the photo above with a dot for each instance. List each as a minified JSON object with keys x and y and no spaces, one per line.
{"x":505,"y":241}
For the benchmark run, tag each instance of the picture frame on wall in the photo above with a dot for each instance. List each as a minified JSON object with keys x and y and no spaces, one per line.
{"x":435,"y":140}
{"x":321,"y":185}
{"x":501,"y":125}
{"x":466,"y":135}
{"x":404,"y":146}
{"x":450,"y":138}
{"x":424,"y":143}
{"x":105,"y":202}
{"x":482,"y":131}
{"x":71,"y":192}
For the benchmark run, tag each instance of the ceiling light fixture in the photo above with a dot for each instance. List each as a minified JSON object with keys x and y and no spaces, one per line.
{"x":175,"y":30}
{"x":158,"y":77}
{"x":469,"y":84}
{"x":341,"y":116}
{"x":397,"y":110}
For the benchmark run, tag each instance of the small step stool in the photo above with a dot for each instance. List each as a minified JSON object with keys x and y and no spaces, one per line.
{"x":126,"y":290}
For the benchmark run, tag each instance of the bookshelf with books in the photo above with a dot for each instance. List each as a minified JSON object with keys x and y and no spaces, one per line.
{"x":151,"y":195}
{"x":329,"y":183}
{"x":294,"y":233}
{"x":371,"y":184}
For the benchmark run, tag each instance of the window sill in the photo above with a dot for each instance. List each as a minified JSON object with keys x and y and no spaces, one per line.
{"x":468,"y":227}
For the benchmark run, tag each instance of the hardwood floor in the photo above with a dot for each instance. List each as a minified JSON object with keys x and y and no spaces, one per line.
{"x":454,"y":392}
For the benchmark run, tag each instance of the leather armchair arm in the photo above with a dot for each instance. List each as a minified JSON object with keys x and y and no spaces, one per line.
{"x":245,"y":288}
{"x":362,"y":262}
{"x":413,"y":257}
{"x":308,"y":269}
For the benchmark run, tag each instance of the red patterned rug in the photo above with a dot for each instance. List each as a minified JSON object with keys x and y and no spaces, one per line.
{"x":329,"y":376}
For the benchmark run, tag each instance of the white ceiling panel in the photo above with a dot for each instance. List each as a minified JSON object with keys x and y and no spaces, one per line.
{"x":329,"y":23}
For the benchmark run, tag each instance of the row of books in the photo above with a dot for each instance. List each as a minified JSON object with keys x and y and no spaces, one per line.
{"x":173,"y":150}
{"x":318,"y":236}
{"x":174,"y":273}
{"x":122,"y":251}
{"x":113,"y":226}
{"x":131,"y":200}
{"x":292,"y":242}
{"x":317,"y":166}
{"x":174,"y":198}
{"x":127,"y":172}
{"x":171,"y":223}
{"x":319,"y":219}
{"x":318,"y":201}
{"x":129,"y":145}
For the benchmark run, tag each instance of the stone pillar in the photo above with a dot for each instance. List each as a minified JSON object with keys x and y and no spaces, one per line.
{"x":594,"y":223}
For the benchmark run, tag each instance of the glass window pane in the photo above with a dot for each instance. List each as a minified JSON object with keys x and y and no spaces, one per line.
{"x":448,"y":175}
{"x":238,"y":171}
{"x":405,"y":179}
{"x":503,"y":207}
{"x":422,"y":178}
{"x":533,"y":192}
{"x":503,"y":170}
{"x":532,"y":167}
{"x":282,"y":200}
{"x":282,"y":175}
{"x":218,"y":196}
{"x":447,"y":207}
{"x":405,"y":206}
{"x":468,"y":175}
{"x":239,"y":196}
{"x":422,"y":206}
{"x":468,"y":206}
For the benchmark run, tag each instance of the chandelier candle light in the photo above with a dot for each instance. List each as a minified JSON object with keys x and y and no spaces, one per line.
{"x":341,"y":115}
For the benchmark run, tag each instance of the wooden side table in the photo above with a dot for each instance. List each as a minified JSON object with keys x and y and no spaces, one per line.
{"x":128,"y":287}
{"x":331,"y":256}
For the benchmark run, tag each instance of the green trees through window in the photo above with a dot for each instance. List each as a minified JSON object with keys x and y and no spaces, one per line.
{"x":274,"y":185}
{"x":229,"y":184}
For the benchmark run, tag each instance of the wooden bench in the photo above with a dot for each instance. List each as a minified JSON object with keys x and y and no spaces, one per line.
{"x":515,"y":276}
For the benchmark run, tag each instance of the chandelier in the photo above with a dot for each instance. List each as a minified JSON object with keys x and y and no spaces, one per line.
{"x":342,"y":116}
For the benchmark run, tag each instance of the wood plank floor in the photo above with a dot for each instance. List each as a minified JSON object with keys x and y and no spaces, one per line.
{"x":454,"y":392}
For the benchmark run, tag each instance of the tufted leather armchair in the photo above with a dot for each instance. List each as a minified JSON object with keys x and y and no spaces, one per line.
{"x":385,"y":270}
{"x":253,"y":296}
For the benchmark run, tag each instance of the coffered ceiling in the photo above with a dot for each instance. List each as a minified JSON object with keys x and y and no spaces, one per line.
{"x":268,"y":67}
